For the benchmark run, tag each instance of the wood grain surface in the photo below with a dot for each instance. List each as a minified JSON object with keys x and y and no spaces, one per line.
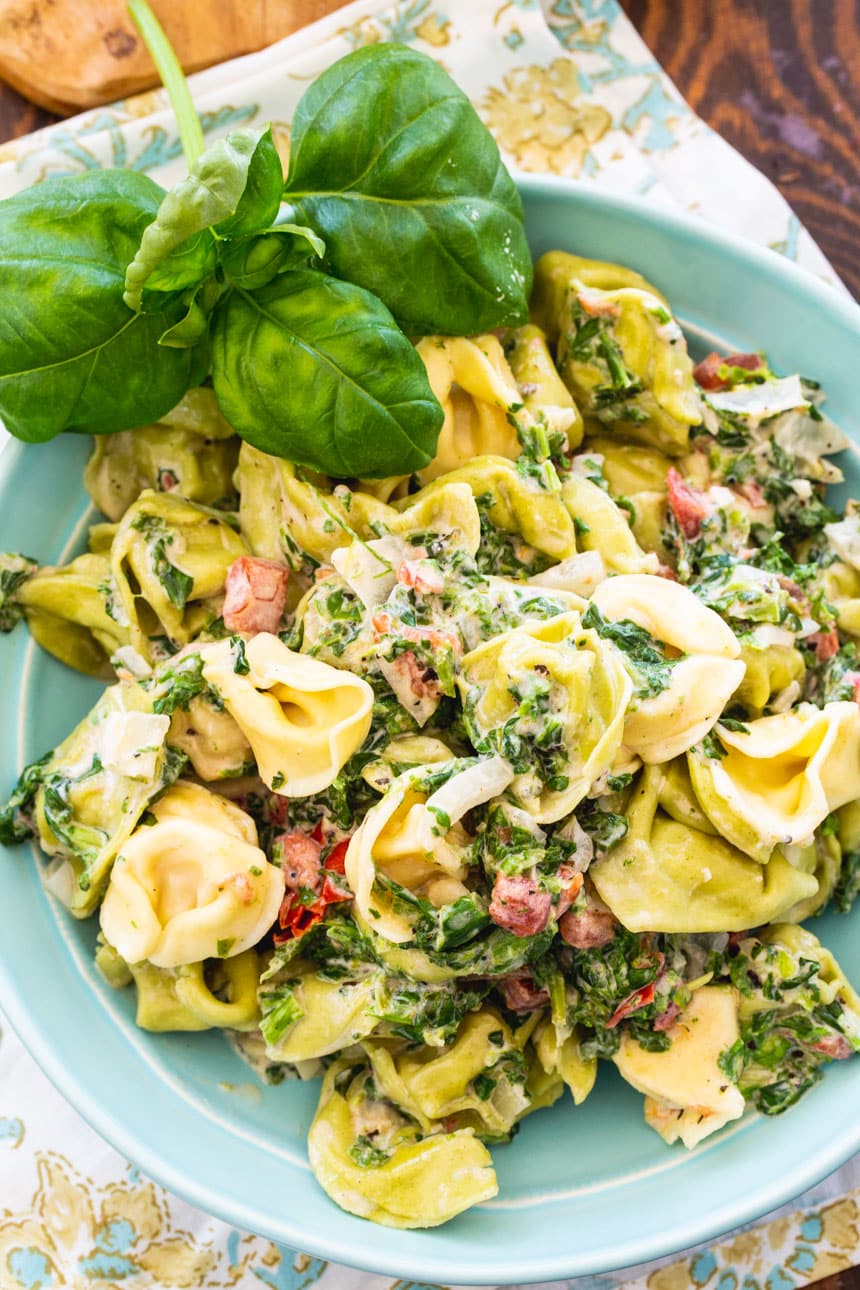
{"x":780,"y":79}
{"x":67,"y":55}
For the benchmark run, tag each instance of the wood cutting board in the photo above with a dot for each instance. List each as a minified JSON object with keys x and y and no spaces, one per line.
{"x":68,"y":55}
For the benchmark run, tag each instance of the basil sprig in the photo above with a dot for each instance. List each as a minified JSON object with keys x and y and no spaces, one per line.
{"x":118,"y":297}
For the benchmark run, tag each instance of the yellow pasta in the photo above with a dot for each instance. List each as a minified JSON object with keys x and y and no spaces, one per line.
{"x":302,"y":718}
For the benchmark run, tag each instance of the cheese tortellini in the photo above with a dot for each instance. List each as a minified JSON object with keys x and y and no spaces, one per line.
{"x":687,"y":1096}
{"x":192,"y":885}
{"x":779,"y":779}
{"x":302,"y":718}
{"x":669,"y":876}
{"x":412,"y":842}
{"x":515,"y":504}
{"x":94,"y":789}
{"x":71,"y":613}
{"x":557,"y":671}
{"x":169,"y":563}
{"x":475,"y":386}
{"x":705,"y":665}
{"x":602,"y":527}
{"x":191,"y":451}
{"x":415,"y":1180}
{"x":621,"y":353}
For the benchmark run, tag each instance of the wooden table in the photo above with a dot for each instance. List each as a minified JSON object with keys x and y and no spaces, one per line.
{"x":780,"y":79}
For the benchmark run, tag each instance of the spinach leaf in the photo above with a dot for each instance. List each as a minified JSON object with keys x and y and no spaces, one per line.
{"x":848,"y":887}
{"x":648,"y":668}
{"x":15,"y":570}
{"x":176,"y":684}
{"x":72,"y":355}
{"x":394,"y":168}
{"x":233,"y":188}
{"x":16,"y":817}
{"x":281,"y":1010}
{"x":316,"y":370}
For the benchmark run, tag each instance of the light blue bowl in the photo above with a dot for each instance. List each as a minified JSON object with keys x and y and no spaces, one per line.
{"x":581,"y":1191}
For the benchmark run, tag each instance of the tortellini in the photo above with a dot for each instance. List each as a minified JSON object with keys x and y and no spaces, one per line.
{"x":373,"y":1161}
{"x":841,"y":583}
{"x":472,"y":381}
{"x":773,"y":671}
{"x":833,"y":985}
{"x":302,"y":718}
{"x":169,"y":562}
{"x":670,"y":877}
{"x":299,"y":520}
{"x":185,"y":998}
{"x":781,"y":777}
{"x":544,"y":394}
{"x":329,"y":1015}
{"x":707,"y":672}
{"x":413,"y":838}
{"x":687,"y":1094}
{"x":447,"y":509}
{"x":556,"y":674}
{"x":515,"y":504}
{"x":432,"y":1086}
{"x":622,"y":355}
{"x":823,"y":858}
{"x":191,"y":451}
{"x":72,"y":613}
{"x":215,"y":745}
{"x":94,"y":789}
{"x":192,"y":885}
{"x":629,"y":468}
{"x":602,"y":527}
{"x":556,"y":270}
{"x":565,"y":1058}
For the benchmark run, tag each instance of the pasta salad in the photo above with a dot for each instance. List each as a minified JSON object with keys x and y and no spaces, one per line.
{"x":448,"y":787}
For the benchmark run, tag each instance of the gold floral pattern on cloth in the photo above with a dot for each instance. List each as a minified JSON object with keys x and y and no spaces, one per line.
{"x":582,"y":97}
{"x":784,"y":1254}
{"x":408,"y":21}
{"x":541,"y":119}
{"x":76,"y":1233}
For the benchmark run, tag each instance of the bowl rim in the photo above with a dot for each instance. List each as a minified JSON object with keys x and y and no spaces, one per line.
{"x":710,"y":1222}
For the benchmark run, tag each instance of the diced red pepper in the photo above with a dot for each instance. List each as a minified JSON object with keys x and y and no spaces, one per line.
{"x":295,"y":917}
{"x":638,"y":999}
{"x":384,"y":625}
{"x":255,"y":595}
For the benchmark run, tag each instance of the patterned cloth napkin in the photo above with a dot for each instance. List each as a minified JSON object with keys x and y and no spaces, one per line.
{"x":568,"y":90}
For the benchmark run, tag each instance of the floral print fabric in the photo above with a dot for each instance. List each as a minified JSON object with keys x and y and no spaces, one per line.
{"x":567,"y":89}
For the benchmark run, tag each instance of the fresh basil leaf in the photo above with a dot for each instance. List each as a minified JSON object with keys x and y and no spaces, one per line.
{"x":261,"y":197}
{"x":190,"y":329}
{"x":232,"y":188}
{"x":392,"y":165}
{"x":253,"y":261}
{"x":186,"y":266}
{"x":316,"y":370}
{"x":72,"y":355}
